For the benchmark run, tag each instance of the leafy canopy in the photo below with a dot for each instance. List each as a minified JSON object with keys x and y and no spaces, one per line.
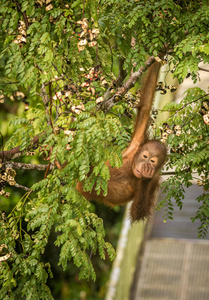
{"x":69,"y":61}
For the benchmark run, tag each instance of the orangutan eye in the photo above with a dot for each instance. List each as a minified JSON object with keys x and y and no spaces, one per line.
{"x":145,"y":156}
{"x":154,"y":160}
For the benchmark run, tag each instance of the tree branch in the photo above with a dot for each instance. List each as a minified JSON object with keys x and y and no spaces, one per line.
{"x":15,"y":152}
{"x":54,"y":80}
{"x":24,"y":14}
{"x":184,"y":106}
{"x":122,"y":73}
{"x":168,"y":173}
{"x":23,"y":166}
{"x":17,"y":185}
{"x":203,"y":69}
{"x":107,"y":104}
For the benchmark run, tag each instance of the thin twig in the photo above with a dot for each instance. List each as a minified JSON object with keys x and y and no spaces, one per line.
{"x":17,"y":185}
{"x":84,"y":8}
{"x":11,"y":82}
{"x":24,"y":14}
{"x":203,"y":69}
{"x":184,"y":106}
{"x":46,"y":100}
{"x":168,"y":173}
{"x":50,"y":107}
{"x":61,"y":75}
{"x":53,"y":80}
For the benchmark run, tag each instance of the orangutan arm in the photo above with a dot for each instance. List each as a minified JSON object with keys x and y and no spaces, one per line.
{"x":144,"y":108}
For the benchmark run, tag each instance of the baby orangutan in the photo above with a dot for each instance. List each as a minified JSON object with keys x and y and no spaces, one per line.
{"x":146,"y":167}
{"x":149,"y":159}
{"x":138,"y":178}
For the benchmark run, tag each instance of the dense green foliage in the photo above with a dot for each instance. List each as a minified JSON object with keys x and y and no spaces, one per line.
{"x":189,"y":153}
{"x":65,"y":59}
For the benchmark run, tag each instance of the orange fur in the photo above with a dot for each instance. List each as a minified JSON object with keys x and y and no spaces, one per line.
{"x":138,"y":178}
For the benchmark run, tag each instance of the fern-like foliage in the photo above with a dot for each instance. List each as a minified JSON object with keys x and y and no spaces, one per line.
{"x":189,"y":150}
{"x":60,"y":64}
